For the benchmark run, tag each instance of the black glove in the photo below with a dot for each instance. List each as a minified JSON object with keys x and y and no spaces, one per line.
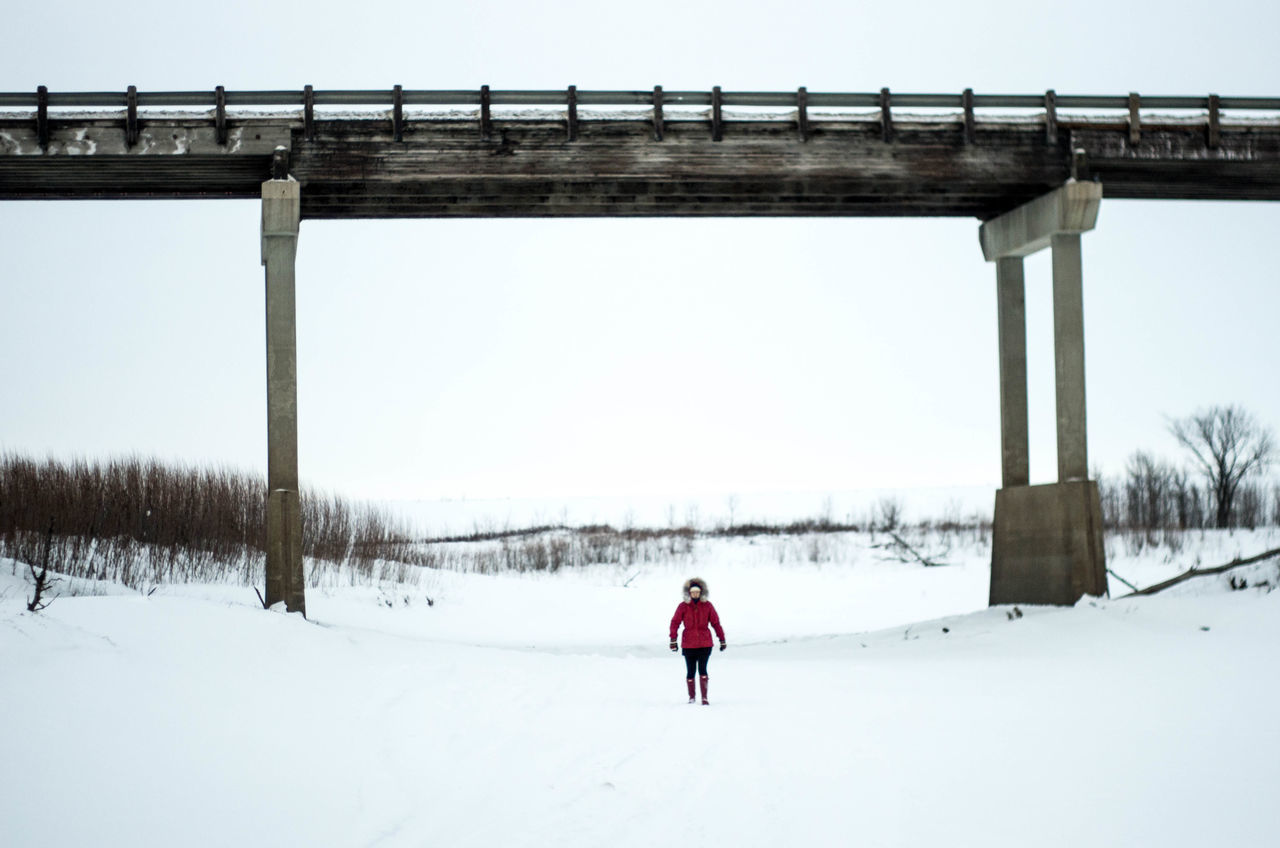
{"x":673,"y":645}
{"x":723,"y":645}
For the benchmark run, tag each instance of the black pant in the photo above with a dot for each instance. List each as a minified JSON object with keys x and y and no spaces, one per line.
{"x":696,"y":657}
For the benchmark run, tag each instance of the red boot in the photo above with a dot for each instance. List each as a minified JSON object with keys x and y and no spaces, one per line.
{"x":689,"y":680}
{"x":703,"y":681}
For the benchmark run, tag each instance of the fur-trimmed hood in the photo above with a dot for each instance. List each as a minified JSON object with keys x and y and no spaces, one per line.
{"x":700,"y":583}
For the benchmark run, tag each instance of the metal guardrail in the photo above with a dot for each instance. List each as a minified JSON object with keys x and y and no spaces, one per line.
{"x":563,"y":98}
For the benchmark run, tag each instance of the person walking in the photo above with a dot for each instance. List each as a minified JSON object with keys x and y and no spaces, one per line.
{"x":695,"y":613}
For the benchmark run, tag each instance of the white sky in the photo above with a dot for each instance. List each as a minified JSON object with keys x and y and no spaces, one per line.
{"x":574,"y":357}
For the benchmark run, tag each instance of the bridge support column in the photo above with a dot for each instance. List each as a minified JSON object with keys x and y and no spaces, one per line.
{"x":1011,"y":311}
{"x":1047,"y":539}
{"x":281,"y":214}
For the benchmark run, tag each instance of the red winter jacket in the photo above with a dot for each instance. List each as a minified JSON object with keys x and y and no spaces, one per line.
{"x":695,"y":617}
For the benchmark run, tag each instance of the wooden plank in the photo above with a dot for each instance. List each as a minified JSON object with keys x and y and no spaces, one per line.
{"x":966,"y":100}
{"x":486,"y":124}
{"x":131,"y":117}
{"x":717,"y":127}
{"x":802,"y":112}
{"x":42,"y":117}
{"x":220,"y":113}
{"x":1135,"y":118}
{"x":886,"y":116}
{"x":657,"y":113}
{"x":1215,"y":117}
{"x":156,"y":142}
{"x":1051,"y":116}
{"x":614,"y":167}
{"x":309,"y":113}
{"x":397,"y":113}
{"x":280,"y":163}
{"x":1080,"y":165}
{"x":573,"y":113}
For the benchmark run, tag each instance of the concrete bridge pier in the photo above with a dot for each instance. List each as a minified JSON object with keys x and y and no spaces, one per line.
{"x":281,"y":214}
{"x":1047,"y":540}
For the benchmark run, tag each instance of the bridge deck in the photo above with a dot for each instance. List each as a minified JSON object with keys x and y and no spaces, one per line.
{"x":793,"y":162}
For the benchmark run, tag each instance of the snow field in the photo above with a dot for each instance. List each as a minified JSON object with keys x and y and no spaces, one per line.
{"x":532,"y":710}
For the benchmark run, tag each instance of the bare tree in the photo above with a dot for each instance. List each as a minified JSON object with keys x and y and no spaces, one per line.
{"x":1147,"y":492}
{"x":1228,"y":446}
{"x":888,"y":514}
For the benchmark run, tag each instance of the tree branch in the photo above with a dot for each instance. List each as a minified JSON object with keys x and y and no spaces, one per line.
{"x":1202,"y":572}
{"x":914,"y":552}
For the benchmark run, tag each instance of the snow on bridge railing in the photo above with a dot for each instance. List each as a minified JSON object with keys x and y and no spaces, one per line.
{"x":559,"y":97}
{"x":657,"y":103}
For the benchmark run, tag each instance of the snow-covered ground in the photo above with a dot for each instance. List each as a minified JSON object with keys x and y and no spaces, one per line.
{"x":862,"y":701}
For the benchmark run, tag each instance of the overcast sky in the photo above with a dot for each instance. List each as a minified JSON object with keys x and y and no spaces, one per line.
{"x":580,"y":357}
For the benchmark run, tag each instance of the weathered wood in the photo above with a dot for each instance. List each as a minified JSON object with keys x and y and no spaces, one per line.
{"x":886,"y":115}
{"x":1051,"y":116}
{"x":1200,"y":572}
{"x":1080,"y":165}
{"x":220,"y":113}
{"x":158,"y":142}
{"x":42,"y":117}
{"x":717,"y":128}
{"x":1135,"y":118}
{"x":309,"y":113}
{"x":356,"y":168}
{"x":1177,"y":164}
{"x":280,"y":163}
{"x":657,"y":113}
{"x":966,"y":100}
{"x":1215,"y":122}
{"x":131,"y":117}
{"x":802,"y":112}
{"x":573,"y":112}
{"x":486,"y":121}
{"x":397,"y":113}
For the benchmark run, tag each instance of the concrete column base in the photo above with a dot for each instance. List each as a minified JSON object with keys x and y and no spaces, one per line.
{"x":284,"y":551}
{"x":1047,"y":544}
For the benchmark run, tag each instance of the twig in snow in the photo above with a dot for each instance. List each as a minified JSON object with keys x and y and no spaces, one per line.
{"x":37,"y":602}
{"x":1122,"y":580}
{"x":923,"y":561}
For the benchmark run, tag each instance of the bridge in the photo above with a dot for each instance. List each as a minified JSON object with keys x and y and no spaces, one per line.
{"x":1032,"y":168}
{"x":405,"y":153}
